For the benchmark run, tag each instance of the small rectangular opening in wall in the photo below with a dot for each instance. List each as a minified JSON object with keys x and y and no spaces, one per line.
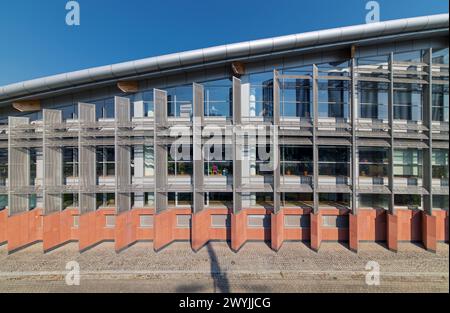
{"x":220,"y":221}
{"x":110,"y":221}
{"x":260,"y":220}
{"x":184,"y":221}
{"x":146,"y":221}
{"x":335,"y":221}
{"x":76,"y":221}
{"x":297,"y":221}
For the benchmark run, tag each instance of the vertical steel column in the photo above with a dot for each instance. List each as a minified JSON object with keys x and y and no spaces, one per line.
{"x":428,"y":122}
{"x":160,"y":149}
{"x":122,"y":155}
{"x":18,"y":168}
{"x":53,"y":178}
{"x":86,"y":159}
{"x":275,"y":146}
{"x":237,"y":147}
{"x":354,"y":112}
{"x":198,"y":116}
{"x":315,"y":146}
{"x":391,"y":132}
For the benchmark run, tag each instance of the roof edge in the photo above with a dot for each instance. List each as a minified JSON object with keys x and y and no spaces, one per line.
{"x":223,"y":52}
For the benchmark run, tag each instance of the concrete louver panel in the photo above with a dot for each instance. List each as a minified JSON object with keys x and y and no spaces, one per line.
{"x":354,"y":160}
{"x":122,"y":155}
{"x":18,"y":169}
{"x":391,"y":132}
{"x":198,"y":116}
{"x":86,"y":160}
{"x":52,"y":163}
{"x":428,"y":122}
{"x":274,"y":144}
{"x":315,"y":143}
{"x":160,"y":150}
{"x":237,"y":147}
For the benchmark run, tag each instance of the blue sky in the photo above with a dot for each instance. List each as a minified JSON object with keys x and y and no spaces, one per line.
{"x":37,"y":42}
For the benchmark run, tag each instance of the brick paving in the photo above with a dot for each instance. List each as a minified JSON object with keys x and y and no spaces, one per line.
{"x":215,"y":268}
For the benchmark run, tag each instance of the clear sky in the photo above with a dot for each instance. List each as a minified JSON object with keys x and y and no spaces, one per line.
{"x":35,"y":40}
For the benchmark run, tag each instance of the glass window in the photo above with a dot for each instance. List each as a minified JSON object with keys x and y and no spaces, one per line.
{"x":440,"y":104}
{"x":408,"y":99}
{"x":218,"y":98}
{"x":410,"y":57}
{"x":105,"y":161}
{"x":260,"y":93}
{"x":296,"y":95}
{"x":3,"y":202}
{"x":106,"y":200}
{"x":410,"y":201}
{"x":180,"y":199}
{"x":149,"y":161}
{"x":180,"y":164}
{"x":70,"y":200}
{"x":219,"y":199}
{"x":70,"y":162}
{"x":296,"y":160}
{"x":334,"y":161}
{"x":33,"y":162}
{"x":373,"y":100}
{"x":408,"y":163}
{"x":3,"y":166}
{"x":334,"y":199}
{"x":439,"y":202}
{"x":296,"y":199}
{"x":375,"y":201}
{"x":104,"y":108}
{"x":333,"y":98}
{"x":440,"y":164}
{"x":373,"y":162}
{"x":179,"y":101}
{"x":149,"y":199}
{"x":440,"y":56}
{"x":217,"y":166}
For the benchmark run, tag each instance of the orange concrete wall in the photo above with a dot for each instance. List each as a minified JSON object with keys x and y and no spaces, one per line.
{"x":296,"y":233}
{"x":201,"y":223}
{"x":219,"y":233}
{"x":429,"y":232}
{"x":372,"y":224}
{"x":128,"y":230}
{"x":409,"y":225}
{"x":59,"y":228}
{"x":165,"y":228}
{"x":238,"y":230}
{"x":353,"y":240}
{"x":254,"y":233}
{"x":125,"y":232}
{"x":93,"y":228}
{"x":3,"y":221}
{"x":392,"y":232}
{"x":441,"y":225}
{"x":277,"y":230}
{"x":316,"y":233}
{"x":24,"y":229}
{"x":334,"y":234}
{"x":144,"y":233}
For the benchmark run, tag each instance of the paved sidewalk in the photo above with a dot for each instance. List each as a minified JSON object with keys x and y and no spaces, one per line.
{"x":215,"y":268}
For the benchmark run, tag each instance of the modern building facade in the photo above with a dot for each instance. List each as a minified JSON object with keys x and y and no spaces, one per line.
{"x":352,"y":144}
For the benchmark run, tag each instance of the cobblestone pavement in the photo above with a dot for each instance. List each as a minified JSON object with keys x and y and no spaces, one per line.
{"x":215,"y":268}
